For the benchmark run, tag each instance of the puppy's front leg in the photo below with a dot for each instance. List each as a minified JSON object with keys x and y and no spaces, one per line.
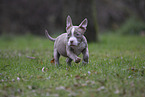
{"x":68,"y":61}
{"x":85,"y":53}
{"x":73,"y":56}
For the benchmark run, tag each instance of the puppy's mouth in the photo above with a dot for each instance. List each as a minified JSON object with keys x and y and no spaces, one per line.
{"x":72,"y":45}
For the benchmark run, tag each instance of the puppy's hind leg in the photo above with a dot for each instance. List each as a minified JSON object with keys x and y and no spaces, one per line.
{"x":56,"y":57}
{"x":85,"y":56}
{"x":68,"y":61}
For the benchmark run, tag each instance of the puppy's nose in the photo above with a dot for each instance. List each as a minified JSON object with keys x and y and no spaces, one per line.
{"x":71,"y":41}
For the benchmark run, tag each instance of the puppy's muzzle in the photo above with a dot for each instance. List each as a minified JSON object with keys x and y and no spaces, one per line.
{"x":72,"y":41}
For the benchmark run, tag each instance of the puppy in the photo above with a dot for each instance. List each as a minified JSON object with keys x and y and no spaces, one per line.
{"x":72,"y":43}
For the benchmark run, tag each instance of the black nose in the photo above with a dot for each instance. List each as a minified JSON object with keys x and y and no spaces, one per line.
{"x":71,"y":41}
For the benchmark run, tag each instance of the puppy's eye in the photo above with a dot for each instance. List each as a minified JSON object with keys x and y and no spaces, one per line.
{"x":77,"y":34}
{"x":68,"y":35}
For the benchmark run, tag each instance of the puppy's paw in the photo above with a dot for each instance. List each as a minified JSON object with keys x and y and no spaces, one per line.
{"x":84,"y":63}
{"x":77,"y":60}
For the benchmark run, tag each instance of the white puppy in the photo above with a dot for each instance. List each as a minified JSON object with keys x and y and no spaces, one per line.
{"x":72,"y":43}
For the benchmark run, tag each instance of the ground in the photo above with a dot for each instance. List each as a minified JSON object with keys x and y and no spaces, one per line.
{"x":116,"y":68}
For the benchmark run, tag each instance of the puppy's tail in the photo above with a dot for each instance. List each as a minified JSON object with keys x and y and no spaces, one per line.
{"x":48,"y":36}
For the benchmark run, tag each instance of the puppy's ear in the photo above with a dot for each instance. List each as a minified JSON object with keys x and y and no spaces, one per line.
{"x":83,"y":24}
{"x":68,"y":23}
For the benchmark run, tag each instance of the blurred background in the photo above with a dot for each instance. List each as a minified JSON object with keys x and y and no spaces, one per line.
{"x":19,"y":17}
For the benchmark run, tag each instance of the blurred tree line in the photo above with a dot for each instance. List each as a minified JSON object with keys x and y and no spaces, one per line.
{"x":33,"y":16}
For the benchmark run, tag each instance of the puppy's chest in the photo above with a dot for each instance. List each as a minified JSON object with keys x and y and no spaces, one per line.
{"x":77,"y":50}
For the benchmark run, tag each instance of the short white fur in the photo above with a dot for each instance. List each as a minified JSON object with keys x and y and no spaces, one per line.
{"x":73,"y":38}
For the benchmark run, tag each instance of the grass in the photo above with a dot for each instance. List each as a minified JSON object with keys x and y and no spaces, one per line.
{"x":116,"y":68}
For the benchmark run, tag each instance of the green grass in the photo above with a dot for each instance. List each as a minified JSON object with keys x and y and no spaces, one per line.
{"x":116,"y":68}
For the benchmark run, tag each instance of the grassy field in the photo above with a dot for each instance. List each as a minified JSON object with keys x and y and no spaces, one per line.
{"x":116,"y":68}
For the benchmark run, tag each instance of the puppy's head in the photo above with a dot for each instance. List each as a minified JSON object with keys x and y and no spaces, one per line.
{"x":75,"y":33}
